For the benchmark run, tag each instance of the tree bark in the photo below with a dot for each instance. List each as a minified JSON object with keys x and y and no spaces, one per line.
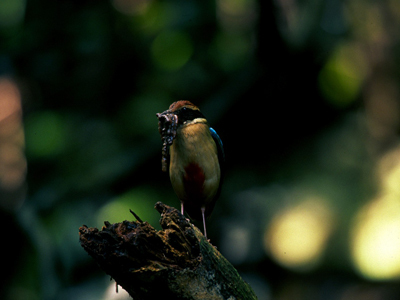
{"x":176,"y":262}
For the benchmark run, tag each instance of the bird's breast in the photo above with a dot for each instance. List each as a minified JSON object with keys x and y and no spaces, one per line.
{"x":194,"y":167}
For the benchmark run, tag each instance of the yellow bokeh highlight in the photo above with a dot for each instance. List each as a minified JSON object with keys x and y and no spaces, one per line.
{"x":389,"y":172}
{"x":375,"y":242}
{"x":376,"y":239}
{"x":296,"y":238}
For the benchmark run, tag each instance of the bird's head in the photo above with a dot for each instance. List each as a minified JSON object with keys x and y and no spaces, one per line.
{"x":185,"y":111}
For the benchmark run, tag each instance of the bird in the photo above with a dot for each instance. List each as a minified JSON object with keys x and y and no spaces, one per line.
{"x":196,"y":158}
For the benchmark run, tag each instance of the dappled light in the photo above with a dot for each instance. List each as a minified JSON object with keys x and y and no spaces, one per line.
{"x":137,"y":200}
{"x":297,"y":236}
{"x":305,"y":96}
{"x":114,"y":292}
{"x":376,"y":239}
{"x":171,"y":50}
{"x":343,"y":75}
{"x":12,"y":145}
{"x":45,"y":134}
{"x":234,"y":44}
{"x":237,"y":15}
{"x":12,"y":13}
{"x":376,"y":232}
{"x":131,"y":7}
{"x":236,"y":243}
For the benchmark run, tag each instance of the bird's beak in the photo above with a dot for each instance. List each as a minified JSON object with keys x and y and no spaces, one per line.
{"x":167,"y":127}
{"x":168,"y":111}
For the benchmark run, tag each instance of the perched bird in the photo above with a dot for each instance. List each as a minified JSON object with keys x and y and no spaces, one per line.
{"x":196,"y":158}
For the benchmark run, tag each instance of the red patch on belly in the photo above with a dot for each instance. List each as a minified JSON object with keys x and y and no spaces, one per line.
{"x":194,"y":181}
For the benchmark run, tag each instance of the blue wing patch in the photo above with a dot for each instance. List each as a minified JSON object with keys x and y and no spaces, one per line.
{"x":220,"y":146}
{"x":221,"y":158}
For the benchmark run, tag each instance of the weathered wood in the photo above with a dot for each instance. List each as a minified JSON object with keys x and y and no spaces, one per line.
{"x":176,"y":262}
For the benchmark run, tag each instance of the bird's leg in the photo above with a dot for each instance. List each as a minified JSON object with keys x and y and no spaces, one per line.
{"x":204,"y":221}
{"x":182,"y":212}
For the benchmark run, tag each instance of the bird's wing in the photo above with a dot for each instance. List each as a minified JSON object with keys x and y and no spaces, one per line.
{"x":220,"y":147}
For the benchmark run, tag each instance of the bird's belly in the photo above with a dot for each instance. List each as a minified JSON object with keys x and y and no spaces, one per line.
{"x":193,"y":181}
{"x":194,"y":169}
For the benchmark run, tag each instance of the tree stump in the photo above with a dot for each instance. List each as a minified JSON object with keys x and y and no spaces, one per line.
{"x":176,"y":262}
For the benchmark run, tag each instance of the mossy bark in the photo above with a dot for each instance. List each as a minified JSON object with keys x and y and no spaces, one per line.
{"x":176,"y":262}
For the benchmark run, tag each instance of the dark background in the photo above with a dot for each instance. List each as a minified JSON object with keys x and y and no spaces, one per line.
{"x":304,"y":94}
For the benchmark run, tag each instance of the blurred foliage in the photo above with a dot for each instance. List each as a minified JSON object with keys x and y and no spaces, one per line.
{"x":304,"y":94}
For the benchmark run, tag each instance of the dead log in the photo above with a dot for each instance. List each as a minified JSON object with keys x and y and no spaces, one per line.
{"x":176,"y":262}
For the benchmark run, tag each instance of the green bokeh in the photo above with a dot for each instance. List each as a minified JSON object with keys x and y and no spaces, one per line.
{"x":139,"y":200}
{"x":11,"y":12}
{"x":92,"y":77}
{"x":341,"y":78}
{"x":46,"y":134}
{"x":171,"y":49}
